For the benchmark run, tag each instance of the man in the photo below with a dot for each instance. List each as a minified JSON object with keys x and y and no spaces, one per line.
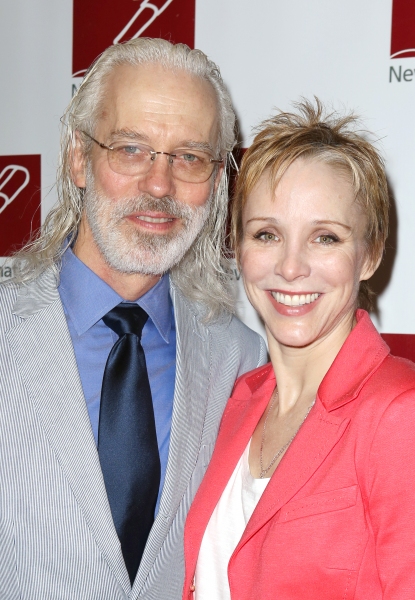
{"x":118,"y":349}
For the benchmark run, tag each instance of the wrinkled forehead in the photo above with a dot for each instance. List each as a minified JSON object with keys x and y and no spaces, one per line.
{"x":160,"y":99}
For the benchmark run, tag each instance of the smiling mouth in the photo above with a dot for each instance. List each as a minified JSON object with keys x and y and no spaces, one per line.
{"x":296,"y":299}
{"x":155,"y":219}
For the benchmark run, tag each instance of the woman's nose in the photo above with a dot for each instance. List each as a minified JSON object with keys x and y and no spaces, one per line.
{"x":158,"y":181}
{"x":293,"y":262}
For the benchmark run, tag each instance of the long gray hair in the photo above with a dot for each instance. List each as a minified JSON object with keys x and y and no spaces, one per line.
{"x":202,"y":275}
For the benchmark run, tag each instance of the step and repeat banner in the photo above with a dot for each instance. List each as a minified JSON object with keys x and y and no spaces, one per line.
{"x":352,"y":55}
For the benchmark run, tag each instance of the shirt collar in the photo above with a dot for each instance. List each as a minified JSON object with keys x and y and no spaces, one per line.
{"x":87,"y":298}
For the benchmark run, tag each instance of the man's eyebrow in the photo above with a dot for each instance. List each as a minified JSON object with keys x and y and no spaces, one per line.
{"x":192,"y":145}
{"x":330,"y":222}
{"x":130,"y":134}
{"x":138,"y":136}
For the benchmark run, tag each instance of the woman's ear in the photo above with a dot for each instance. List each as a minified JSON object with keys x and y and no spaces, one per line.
{"x":78,"y":162}
{"x":369,"y":267}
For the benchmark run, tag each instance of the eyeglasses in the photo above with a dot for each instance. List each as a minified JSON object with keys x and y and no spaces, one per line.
{"x":187,"y":164}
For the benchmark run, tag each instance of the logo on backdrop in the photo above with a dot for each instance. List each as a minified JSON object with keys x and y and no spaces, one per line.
{"x":19,"y":200}
{"x":403,"y":29}
{"x":100,"y":23}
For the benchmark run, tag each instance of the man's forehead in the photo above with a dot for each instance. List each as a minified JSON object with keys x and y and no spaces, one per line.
{"x":157,"y":101}
{"x":155,"y":84}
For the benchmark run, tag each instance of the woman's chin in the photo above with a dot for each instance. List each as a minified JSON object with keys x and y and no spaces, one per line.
{"x":291,"y":337}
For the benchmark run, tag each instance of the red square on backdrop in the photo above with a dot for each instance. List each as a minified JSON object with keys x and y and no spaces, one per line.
{"x":98,"y":24}
{"x":403,"y":29}
{"x":19,"y":200}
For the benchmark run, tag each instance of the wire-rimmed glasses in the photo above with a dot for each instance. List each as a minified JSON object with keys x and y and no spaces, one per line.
{"x":131,"y":158}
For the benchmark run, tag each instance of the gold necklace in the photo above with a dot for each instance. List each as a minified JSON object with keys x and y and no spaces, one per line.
{"x":263,"y":471}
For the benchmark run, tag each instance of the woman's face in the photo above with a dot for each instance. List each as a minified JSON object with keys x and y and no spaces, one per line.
{"x":303,"y":253}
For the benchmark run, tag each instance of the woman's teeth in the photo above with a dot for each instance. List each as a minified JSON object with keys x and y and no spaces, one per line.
{"x":296,"y":300}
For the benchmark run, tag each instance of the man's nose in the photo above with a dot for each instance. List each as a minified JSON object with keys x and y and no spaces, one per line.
{"x":158,"y":181}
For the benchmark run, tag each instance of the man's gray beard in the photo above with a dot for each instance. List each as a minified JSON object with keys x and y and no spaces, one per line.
{"x":133,"y":251}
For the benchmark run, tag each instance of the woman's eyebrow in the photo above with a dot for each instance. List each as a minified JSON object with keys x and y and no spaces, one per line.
{"x":330,"y":222}
{"x":268,"y":219}
{"x":316,"y":222}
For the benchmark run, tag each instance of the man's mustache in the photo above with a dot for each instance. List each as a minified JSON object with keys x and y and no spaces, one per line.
{"x":147,"y":203}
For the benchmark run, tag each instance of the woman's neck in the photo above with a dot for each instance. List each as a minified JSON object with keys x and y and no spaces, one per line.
{"x":299,"y":371}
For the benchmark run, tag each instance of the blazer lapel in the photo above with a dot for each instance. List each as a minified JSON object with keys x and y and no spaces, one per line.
{"x":319,"y":434}
{"x":193,"y":372}
{"x":42,"y":347}
{"x":240,"y":418}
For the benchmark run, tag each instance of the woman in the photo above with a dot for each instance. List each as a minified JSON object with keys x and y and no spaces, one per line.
{"x":310,"y":492}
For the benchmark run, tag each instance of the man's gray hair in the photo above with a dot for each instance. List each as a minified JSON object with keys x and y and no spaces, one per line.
{"x":202,"y":275}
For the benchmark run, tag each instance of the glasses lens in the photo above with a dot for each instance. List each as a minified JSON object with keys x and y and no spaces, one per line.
{"x":131,"y":159}
{"x":186,"y":165}
{"x":192,"y":166}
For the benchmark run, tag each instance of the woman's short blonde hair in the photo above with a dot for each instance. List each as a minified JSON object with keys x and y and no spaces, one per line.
{"x":333,"y":139}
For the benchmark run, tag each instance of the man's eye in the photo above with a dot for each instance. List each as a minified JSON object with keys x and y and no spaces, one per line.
{"x":191,"y":158}
{"x":134,"y":150}
{"x":188,"y":157}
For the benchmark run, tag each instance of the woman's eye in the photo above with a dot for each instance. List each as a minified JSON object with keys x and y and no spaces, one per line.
{"x":266,"y":236}
{"x":326,"y":240}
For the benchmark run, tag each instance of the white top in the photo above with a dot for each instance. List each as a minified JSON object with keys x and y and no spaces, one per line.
{"x":225,"y":529}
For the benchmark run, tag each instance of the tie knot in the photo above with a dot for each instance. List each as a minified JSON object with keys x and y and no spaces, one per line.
{"x":126,"y":318}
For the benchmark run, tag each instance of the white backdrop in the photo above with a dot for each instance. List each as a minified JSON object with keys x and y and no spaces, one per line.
{"x":270,"y":53}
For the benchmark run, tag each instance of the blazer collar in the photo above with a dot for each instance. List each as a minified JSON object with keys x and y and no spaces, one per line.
{"x":359,"y":357}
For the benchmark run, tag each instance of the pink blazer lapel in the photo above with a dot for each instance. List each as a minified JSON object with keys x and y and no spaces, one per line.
{"x":238,"y":423}
{"x":319,"y":434}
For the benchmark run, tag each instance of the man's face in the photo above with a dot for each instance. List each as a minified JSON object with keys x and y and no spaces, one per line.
{"x":146,"y":223}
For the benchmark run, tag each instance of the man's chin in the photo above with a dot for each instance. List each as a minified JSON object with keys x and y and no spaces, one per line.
{"x":154,"y":261}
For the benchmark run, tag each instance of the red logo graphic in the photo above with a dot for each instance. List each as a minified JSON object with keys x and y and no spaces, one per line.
{"x":19,"y":200}
{"x":403,"y":29}
{"x":100,"y":23}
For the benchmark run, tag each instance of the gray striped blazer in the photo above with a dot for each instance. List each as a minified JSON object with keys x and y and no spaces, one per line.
{"x":57,"y":538}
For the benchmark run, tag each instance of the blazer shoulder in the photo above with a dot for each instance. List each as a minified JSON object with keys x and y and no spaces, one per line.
{"x":391,"y":385}
{"x":395,"y":374}
{"x":242,"y":331}
{"x":227,"y":332}
{"x":395,"y":378}
{"x":9,"y":293}
{"x":238,"y":336}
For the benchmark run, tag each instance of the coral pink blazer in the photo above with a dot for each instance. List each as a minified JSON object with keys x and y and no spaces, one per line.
{"x":337,"y":520}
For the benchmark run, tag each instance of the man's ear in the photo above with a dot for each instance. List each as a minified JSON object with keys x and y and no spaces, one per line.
{"x":78,"y":162}
{"x":217,"y":178}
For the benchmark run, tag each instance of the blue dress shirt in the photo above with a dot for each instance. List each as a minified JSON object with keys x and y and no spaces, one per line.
{"x":86,"y":298}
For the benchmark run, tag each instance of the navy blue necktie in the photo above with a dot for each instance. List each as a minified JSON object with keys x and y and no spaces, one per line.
{"x":127,"y":442}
